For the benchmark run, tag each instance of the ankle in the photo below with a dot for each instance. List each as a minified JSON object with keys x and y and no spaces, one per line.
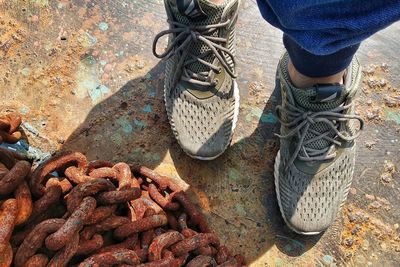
{"x":301,"y":81}
{"x":217,"y":2}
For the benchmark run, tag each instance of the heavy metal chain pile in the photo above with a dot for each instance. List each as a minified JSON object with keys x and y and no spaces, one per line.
{"x":71,"y":212}
{"x":9,"y":125}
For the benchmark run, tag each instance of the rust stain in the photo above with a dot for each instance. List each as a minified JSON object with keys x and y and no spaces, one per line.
{"x":358,"y":224}
{"x":377,"y":93}
{"x":203,"y":199}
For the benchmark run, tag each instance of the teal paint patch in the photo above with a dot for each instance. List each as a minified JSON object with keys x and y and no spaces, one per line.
{"x":258,"y":113}
{"x":29,"y":127}
{"x":149,"y":77}
{"x":32,"y":153}
{"x":26,"y":71}
{"x":147,"y":109}
{"x":233,"y":174}
{"x":96,"y":93}
{"x":24,"y":110}
{"x":116,"y":138}
{"x":288,"y":248}
{"x":240,"y":210}
{"x":48,"y":46}
{"x":294,"y":244}
{"x":125,"y":125}
{"x":392,"y":115}
{"x":140,"y":124}
{"x":254,"y":112}
{"x":328,"y":259}
{"x":269,"y":118}
{"x":88,"y":81}
{"x":43,"y":3}
{"x":90,"y":40}
{"x":89,"y":59}
{"x":135,"y":154}
{"x":279,"y":262}
{"x":103,"y":26}
{"x":156,"y":157}
{"x":152,"y":92}
{"x":103,"y":62}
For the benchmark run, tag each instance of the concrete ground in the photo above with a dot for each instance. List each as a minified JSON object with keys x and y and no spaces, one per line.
{"x":82,"y":75}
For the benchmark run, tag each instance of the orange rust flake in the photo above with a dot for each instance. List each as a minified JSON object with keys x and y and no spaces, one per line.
{"x":357,"y":223}
{"x":203,"y":199}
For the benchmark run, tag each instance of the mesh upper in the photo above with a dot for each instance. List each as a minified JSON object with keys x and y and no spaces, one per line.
{"x":303,"y":98}
{"x":205,"y":125}
{"x":202,"y":126}
{"x":309,"y":201}
{"x":214,"y":13}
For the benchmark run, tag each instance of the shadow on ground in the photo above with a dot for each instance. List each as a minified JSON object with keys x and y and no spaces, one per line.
{"x":236,"y":191}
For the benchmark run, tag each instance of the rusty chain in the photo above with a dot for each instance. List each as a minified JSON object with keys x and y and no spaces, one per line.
{"x":71,"y":212}
{"x":9,"y":125}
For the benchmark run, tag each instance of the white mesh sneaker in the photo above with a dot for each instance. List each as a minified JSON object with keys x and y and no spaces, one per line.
{"x":201,"y":93}
{"x":315,"y":164}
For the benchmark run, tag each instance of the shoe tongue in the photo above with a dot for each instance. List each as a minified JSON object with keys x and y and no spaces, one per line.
{"x":197,"y":12}
{"x":320,"y":97}
{"x":209,"y":14}
{"x":191,"y":9}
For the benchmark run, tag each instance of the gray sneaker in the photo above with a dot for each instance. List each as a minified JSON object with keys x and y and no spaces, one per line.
{"x":315,"y":164}
{"x":201,"y":93}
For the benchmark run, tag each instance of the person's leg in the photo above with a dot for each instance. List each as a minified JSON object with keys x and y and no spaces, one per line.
{"x":302,"y":81}
{"x":319,"y":79}
{"x":322,"y":36}
{"x":306,"y":69}
{"x":201,"y":93}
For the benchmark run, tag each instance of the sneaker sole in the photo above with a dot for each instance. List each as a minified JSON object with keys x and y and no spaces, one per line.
{"x":276,"y":175}
{"x":236,"y":96}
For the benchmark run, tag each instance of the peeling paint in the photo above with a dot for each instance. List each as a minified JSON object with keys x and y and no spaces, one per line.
{"x":26,"y":71}
{"x":240,"y":209}
{"x":152,"y":92}
{"x":147,"y":108}
{"x":97,"y":93}
{"x":86,"y":39}
{"x":24,"y":110}
{"x":392,"y":115}
{"x":153,"y":156}
{"x":33,"y":153}
{"x":125,"y":125}
{"x":279,"y":262}
{"x":293,"y":245}
{"x":30,"y":128}
{"x":116,"y":138}
{"x":256,"y":112}
{"x":233,"y":174}
{"x":103,"y":26}
{"x":140,"y":124}
{"x":269,"y":118}
{"x":328,"y":259}
{"x":88,"y":82}
{"x":43,"y":3}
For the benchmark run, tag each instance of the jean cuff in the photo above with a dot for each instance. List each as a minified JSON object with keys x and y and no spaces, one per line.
{"x":318,"y":65}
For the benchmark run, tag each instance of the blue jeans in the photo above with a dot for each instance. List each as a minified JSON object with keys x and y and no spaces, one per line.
{"x":327,"y":32}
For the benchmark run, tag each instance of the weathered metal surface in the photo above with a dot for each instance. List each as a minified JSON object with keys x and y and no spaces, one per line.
{"x":82,"y":76}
